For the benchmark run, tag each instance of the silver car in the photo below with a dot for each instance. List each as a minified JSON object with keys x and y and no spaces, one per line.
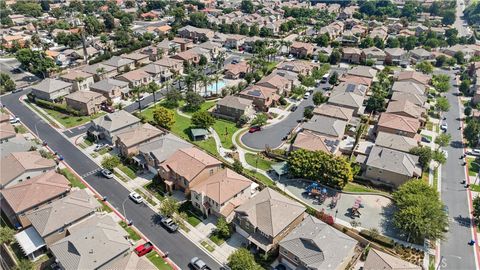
{"x":135,"y":197}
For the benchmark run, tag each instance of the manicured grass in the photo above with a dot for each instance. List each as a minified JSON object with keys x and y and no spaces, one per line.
{"x":69,"y":121}
{"x":158,"y":261}
{"x":87,"y":142}
{"x":120,"y":176}
{"x":425,"y":176}
{"x":94,"y":155}
{"x":258,"y":161}
{"x":131,"y":233}
{"x":261,"y":178}
{"x":104,"y":151}
{"x":428,"y":137}
{"x":74,"y":181}
{"x":105,"y":206}
{"x":429,"y":126}
{"x":43,"y":114}
{"x":435,"y":178}
{"x":21,"y":129}
{"x":204,"y":107}
{"x":156,"y":190}
{"x":473,"y":166}
{"x":146,"y":197}
{"x":207,"y":246}
{"x":475,"y":188}
{"x":192,"y":213}
{"x":354,"y":187}
{"x":209,"y":146}
{"x":225,"y":130}
{"x":126,"y":170}
{"x":217,"y":240}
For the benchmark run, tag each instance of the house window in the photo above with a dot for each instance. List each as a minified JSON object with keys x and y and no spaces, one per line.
{"x":211,"y":171}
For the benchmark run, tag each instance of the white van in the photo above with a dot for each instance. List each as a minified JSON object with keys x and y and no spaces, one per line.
{"x":325,"y":78}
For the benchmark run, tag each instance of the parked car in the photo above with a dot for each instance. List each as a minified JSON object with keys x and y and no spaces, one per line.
{"x":254,"y":129}
{"x":14,"y":119}
{"x":426,"y":139}
{"x":107,"y":173}
{"x":135,"y":197}
{"x":198,"y":264}
{"x":99,"y":147}
{"x":444,"y":127}
{"x":169,"y":224}
{"x":474,"y":152}
{"x":294,"y":108}
{"x":143,"y":249}
{"x":307,"y":94}
{"x":108,"y":109}
{"x":235,"y":61}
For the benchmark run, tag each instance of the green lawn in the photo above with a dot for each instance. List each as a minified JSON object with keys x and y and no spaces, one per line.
{"x":42,"y":113}
{"x":131,"y":233}
{"x":158,"y":261}
{"x":216,"y":239}
{"x":156,"y":190}
{"x":192,"y":213}
{"x":473,"y":168}
{"x":261,"y":178}
{"x":103,"y":151}
{"x":120,"y":177}
{"x":21,"y":129}
{"x":225,"y":130}
{"x":258,"y":161}
{"x":354,"y":187}
{"x":69,"y":121}
{"x":207,"y":246}
{"x":146,"y":197}
{"x":126,"y":170}
{"x":105,"y":206}
{"x":74,"y":181}
{"x":204,"y":107}
{"x":429,"y":126}
{"x":435,"y":179}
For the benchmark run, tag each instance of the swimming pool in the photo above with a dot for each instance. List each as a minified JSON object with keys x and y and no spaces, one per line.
{"x":212,"y":88}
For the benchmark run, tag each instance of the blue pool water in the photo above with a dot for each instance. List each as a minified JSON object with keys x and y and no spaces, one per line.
{"x":212,"y":88}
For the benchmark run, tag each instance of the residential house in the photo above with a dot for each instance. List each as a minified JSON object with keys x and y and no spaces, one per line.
{"x":301,"y":49}
{"x":262,"y":97}
{"x":298,"y":66}
{"x":155,"y":52}
{"x":21,"y":166}
{"x":131,"y":139}
{"x":234,"y":41}
{"x":14,"y":143}
{"x":138,"y":58}
{"x":410,"y":87}
{"x":108,"y":126}
{"x":95,"y":243}
{"x":380,"y":260}
{"x":351,"y":55}
{"x":266,"y":218}
{"x":195,"y":33}
{"x":345,"y":78}
{"x":111,"y":88}
{"x":159,"y":73}
{"x":326,"y":126}
{"x":100,"y":71}
{"x":186,"y":167}
{"x":373,"y":53}
{"x":396,"y":56}
{"x":349,"y":95}
{"x":52,"y":220}
{"x":236,"y":71}
{"x":420,"y":54}
{"x":395,"y":142}
{"x":152,"y":154}
{"x":407,"y":108}
{"x":380,"y":32}
{"x":80,"y":80}
{"x":182,"y":43}
{"x":363,"y":71}
{"x":51,"y":89}
{"x":174,"y":65}
{"x":337,"y":112}
{"x":398,"y":124}
{"x":282,"y":85}
{"x":22,"y":198}
{"x":416,"y":99}
{"x":413,"y":76}
{"x":316,"y":245}
{"x":333,"y":30}
{"x":85,"y":102}
{"x":312,"y":141}
{"x":233,"y":107}
{"x":391,"y":167}
{"x":120,"y":63}
{"x":212,"y":49}
{"x":136,"y":78}
{"x":7,"y":132}
{"x":220,"y":193}
{"x":189,"y":56}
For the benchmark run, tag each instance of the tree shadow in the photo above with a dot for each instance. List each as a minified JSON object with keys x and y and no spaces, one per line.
{"x":388,"y":228}
{"x":463,"y":221}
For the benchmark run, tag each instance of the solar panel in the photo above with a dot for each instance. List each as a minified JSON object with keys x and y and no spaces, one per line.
{"x":255,"y":93}
{"x":350,"y":88}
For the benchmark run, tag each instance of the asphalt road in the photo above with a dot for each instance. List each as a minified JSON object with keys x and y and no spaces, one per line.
{"x":463,"y":31}
{"x":11,"y":67}
{"x":180,"y":249}
{"x":272,"y":136}
{"x":455,"y":252}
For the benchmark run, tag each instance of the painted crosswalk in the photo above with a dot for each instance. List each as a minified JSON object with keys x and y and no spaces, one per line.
{"x":91,"y":172}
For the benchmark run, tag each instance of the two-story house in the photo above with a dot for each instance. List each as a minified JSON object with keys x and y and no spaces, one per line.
{"x":111,"y":88}
{"x":86,"y":102}
{"x":131,"y":139}
{"x":108,"y":126}
{"x":80,"y":80}
{"x":233,"y":107}
{"x":51,"y":89}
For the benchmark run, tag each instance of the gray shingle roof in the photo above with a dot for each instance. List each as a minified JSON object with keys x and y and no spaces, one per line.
{"x":51,"y":85}
{"x":108,"y":85}
{"x":396,"y":142}
{"x":394,"y":161}
{"x":117,"y":61}
{"x":319,"y":245}
{"x":164,"y":147}
{"x":326,"y":125}
{"x":116,"y":120}
{"x":238,"y":103}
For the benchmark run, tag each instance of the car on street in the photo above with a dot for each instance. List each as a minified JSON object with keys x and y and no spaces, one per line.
{"x":474,"y":152}
{"x":235,"y":61}
{"x":169,"y":224}
{"x":198,"y":264}
{"x":444,"y":127}
{"x":254,"y":129}
{"x":135,"y":197}
{"x":294,"y":108}
{"x":307,"y":94}
{"x":14,"y":119}
{"x":107,"y":173}
{"x":143,"y":249}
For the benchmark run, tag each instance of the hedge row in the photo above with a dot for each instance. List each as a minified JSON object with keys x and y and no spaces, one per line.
{"x":378,"y":238}
{"x":57,"y":107}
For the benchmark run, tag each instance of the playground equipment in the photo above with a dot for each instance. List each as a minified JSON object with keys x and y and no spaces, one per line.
{"x":334,"y":201}
{"x":355,"y":208}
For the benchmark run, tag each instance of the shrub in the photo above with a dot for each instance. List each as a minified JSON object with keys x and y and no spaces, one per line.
{"x":378,"y":238}
{"x":57,"y":107}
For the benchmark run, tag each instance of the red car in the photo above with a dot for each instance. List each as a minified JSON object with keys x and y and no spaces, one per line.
{"x":254,"y":129}
{"x":143,"y":249}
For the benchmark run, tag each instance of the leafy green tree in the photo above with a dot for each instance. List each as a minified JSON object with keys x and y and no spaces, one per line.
{"x":163,"y":117}
{"x":425,"y":67}
{"x":242,"y":259}
{"x":24,"y":264}
{"x":6,"y":83}
{"x":376,"y":102}
{"x":366,"y":42}
{"x":198,"y":19}
{"x":460,"y":57}
{"x":109,"y":21}
{"x":254,"y":30}
{"x":169,"y":207}
{"x":420,"y":213}
{"x":307,"y":81}
{"x":465,"y":87}
{"x":223,"y":229}
{"x":439,"y":157}
{"x":443,"y":139}
{"x":320,"y":166}
{"x":451,"y":61}
{"x":472,"y":132}
{"x":7,"y":235}
{"x":110,"y":162}
{"x":319,"y":98}
{"x":244,"y":29}
{"x":237,"y":166}
{"x":299,"y":90}
{"x":393,"y":42}
{"x":28,"y":8}
{"x":193,"y":101}
{"x":442,"y":104}
{"x":468,"y":111}
{"x":440,"y":60}
{"x":333,"y":78}
{"x":260,"y":120}
{"x":424,"y":155}
{"x":476,"y":209}
{"x":172,"y":98}
{"x":448,"y":17}
{"x":93,"y":25}
{"x":308,"y":112}
{"x":247,"y":6}
{"x":35,"y":61}
{"x":203,"y":119}
{"x":335,"y":57}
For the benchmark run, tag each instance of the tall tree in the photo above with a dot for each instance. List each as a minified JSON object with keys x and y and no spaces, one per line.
{"x":163,"y":117}
{"x":242,"y":259}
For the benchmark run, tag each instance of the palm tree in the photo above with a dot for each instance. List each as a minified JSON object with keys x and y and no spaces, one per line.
{"x":220,"y":59}
{"x":251,"y":62}
{"x":172,"y":50}
{"x":137,"y":90}
{"x":215,"y":78}
{"x":153,"y":87}
{"x":205,"y":80}
{"x":160,"y":53}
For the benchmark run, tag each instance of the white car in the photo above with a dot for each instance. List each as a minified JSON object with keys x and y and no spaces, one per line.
{"x":307,"y":94}
{"x":135,"y":197}
{"x":474,"y":152}
{"x":14,"y":120}
{"x":444,"y":127}
{"x":107,"y":173}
